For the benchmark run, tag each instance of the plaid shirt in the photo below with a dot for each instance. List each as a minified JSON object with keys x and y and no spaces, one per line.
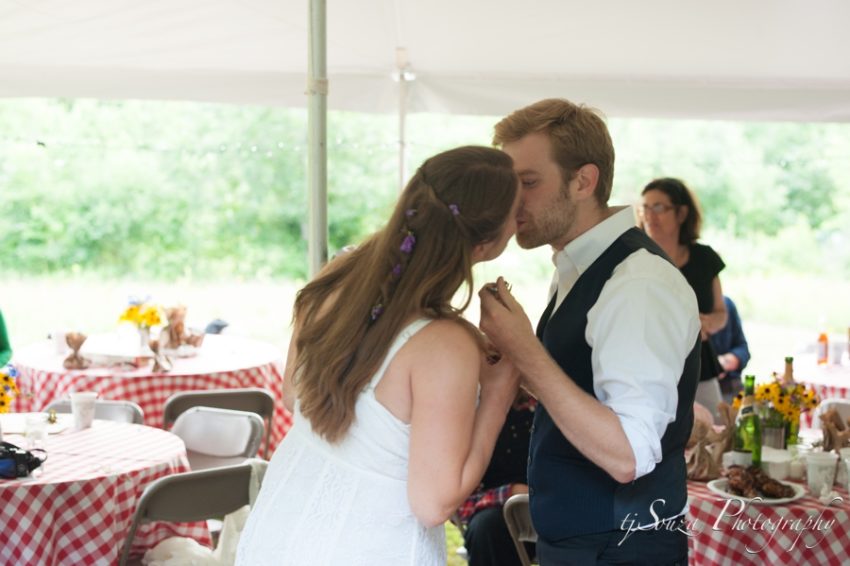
{"x":482,"y":500}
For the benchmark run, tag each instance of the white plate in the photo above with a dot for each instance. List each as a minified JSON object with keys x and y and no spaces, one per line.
{"x":719,"y":486}
{"x":184,"y":351}
{"x":16,"y":423}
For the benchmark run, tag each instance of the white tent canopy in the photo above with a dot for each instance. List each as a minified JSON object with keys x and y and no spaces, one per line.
{"x":729,"y":59}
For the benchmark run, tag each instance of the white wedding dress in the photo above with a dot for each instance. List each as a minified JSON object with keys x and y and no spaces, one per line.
{"x":342,"y":504}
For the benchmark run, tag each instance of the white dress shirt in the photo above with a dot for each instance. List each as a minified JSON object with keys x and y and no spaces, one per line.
{"x":641,"y":329}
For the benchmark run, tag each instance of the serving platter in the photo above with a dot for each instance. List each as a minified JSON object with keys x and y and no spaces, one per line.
{"x":720,"y":487}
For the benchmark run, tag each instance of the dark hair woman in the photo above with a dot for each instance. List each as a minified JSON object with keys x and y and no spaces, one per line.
{"x":671,"y":216}
{"x":383,"y":375}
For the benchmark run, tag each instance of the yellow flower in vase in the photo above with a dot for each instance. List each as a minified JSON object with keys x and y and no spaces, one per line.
{"x":8,"y":387}
{"x":141,"y":314}
{"x":150,"y":317}
{"x":131,"y":314}
{"x":781,"y":403}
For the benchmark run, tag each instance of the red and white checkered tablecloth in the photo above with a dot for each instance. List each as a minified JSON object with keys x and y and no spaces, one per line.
{"x":223,"y":362}
{"x":79,"y":509}
{"x":724,"y":532}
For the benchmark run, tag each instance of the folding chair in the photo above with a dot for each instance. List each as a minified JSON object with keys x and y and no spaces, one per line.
{"x":191,"y":496}
{"x":253,"y":399}
{"x":518,"y":519}
{"x":121,"y":411}
{"x":839,"y":404}
{"x":218,"y":437}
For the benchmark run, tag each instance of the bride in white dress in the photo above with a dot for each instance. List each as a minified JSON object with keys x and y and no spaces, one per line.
{"x":396,"y":409}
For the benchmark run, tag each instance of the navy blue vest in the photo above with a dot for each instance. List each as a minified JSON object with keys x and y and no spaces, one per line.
{"x":569,"y":494}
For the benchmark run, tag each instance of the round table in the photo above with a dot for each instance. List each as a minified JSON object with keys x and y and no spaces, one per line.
{"x":78,"y":509}
{"x":729,"y":532}
{"x":222,"y":362}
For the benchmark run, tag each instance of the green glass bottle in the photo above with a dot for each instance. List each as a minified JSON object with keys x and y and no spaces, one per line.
{"x":748,"y":424}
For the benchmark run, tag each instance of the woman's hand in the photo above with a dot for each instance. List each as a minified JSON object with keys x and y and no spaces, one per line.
{"x":499,"y":378}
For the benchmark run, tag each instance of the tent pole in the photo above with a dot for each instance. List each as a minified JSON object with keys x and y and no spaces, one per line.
{"x":317,"y":132}
{"x":402,"y":142}
{"x":404,"y":76}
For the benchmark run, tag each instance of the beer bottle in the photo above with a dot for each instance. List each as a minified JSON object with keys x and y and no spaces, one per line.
{"x":823,"y":349}
{"x":788,"y":377}
{"x":748,"y":424}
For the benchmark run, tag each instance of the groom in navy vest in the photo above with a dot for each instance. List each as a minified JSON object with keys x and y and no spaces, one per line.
{"x":615,"y":360}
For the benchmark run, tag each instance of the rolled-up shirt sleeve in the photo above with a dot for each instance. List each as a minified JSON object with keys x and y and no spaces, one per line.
{"x":641,"y":330}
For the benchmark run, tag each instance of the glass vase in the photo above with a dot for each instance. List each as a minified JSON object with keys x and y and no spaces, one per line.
{"x":144,"y":337}
{"x":792,"y":429}
{"x":773,"y":436}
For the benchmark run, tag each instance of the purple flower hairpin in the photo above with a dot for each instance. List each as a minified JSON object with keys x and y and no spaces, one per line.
{"x":397,"y":270}
{"x":410,"y":212}
{"x":377,"y":310}
{"x":408,"y":243}
{"x":455,"y":210}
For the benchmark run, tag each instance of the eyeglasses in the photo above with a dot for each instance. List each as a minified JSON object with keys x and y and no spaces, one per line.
{"x":657,"y":208}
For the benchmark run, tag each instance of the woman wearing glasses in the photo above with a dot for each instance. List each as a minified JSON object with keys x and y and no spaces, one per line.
{"x":670,"y":214}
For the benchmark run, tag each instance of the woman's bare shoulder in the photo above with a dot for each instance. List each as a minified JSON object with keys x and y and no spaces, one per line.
{"x":444,"y":337}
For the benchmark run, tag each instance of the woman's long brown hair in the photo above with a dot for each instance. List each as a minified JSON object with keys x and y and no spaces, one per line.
{"x":456,"y":200}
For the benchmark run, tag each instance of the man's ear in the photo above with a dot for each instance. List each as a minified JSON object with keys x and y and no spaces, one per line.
{"x":588,"y":179}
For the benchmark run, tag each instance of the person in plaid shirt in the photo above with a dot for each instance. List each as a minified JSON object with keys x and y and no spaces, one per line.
{"x":486,"y":536}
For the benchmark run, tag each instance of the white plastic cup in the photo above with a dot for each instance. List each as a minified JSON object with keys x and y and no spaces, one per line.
{"x":796,"y":469}
{"x":59,"y":343}
{"x":35,"y":430}
{"x":82,"y":407}
{"x":820,"y":472}
{"x":743,"y":459}
{"x":841,"y":474}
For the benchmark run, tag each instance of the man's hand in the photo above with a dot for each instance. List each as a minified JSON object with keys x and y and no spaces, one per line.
{"x":504,"y":321}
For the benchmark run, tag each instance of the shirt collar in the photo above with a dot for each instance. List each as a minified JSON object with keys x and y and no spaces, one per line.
{"x":584,"y":250}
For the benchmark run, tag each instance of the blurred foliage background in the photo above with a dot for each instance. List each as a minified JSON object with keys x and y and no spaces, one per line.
{"x":160,"y":189}
{"x":161,"y":193}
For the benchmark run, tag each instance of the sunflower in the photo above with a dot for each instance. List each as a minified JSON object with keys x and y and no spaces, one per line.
{"x":8,"y":387}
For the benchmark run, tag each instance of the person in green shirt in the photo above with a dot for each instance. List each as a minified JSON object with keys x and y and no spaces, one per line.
{"x":5,"y":347}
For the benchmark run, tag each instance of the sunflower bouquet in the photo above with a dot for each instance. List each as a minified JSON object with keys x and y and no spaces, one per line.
{"x":780,"y":404}
{"x":8,"y":388}
{"x":141,"y":313}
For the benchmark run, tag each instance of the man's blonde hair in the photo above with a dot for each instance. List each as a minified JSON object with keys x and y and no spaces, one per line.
{"x":578,"y":133}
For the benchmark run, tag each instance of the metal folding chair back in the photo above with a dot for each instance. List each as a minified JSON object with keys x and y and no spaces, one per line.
{"x":191,"y":496}
{"x":518,"y":518}
{"x":253,"y":399}
{"x":121,"y":411}
{"x":218,"y":437}
{"x":838,"y":403}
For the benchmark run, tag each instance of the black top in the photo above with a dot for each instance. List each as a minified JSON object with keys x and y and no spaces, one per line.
{"x":509,"y":463}
{"x":703,"y":266}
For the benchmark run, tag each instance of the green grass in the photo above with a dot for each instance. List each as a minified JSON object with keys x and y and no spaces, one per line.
{"x":781,"y":314}
{"x":453,"y":540}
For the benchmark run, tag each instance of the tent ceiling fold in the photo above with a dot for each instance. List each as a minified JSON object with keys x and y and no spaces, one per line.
{"x":727,"y":59}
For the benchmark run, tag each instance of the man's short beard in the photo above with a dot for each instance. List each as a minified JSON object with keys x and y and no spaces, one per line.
{"x":551,"y":225}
